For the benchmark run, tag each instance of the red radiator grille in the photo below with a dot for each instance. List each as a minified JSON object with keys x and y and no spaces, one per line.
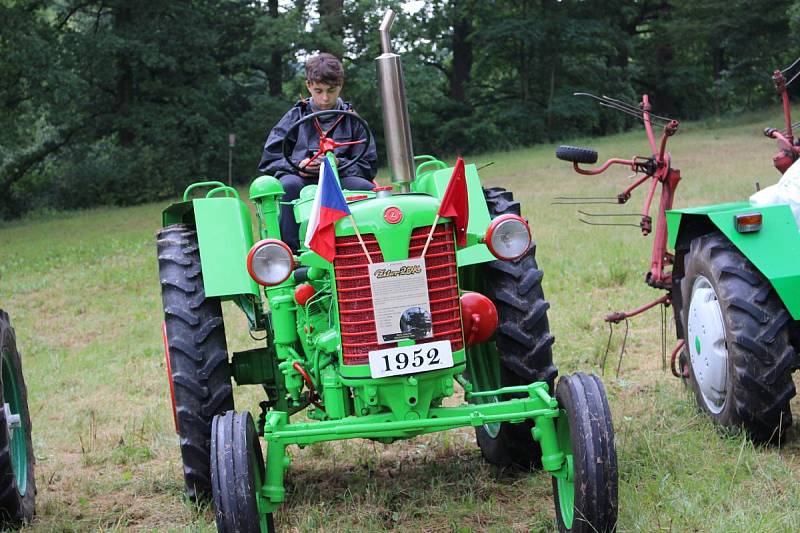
{"x":356,"y":317}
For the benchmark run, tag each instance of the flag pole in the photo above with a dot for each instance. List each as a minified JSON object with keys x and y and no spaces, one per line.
{"x":430,"y":236}
{"x":360,"y":240}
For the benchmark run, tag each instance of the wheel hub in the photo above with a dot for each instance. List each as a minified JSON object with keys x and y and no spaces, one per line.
{"x":707,"y":347}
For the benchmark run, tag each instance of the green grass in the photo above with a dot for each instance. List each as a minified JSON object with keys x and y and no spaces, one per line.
{"x":82,"y":290}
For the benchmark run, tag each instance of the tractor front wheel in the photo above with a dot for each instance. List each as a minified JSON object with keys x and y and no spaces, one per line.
{"x":737,"y":338}
{"x":17,"y":483}
{"x":197,"y":353}
{"x":586,"y":501}
{"x":520,"y":353}
{"x":237,"y":474}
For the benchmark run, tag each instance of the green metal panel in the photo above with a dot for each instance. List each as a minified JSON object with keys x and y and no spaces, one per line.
{"x":224,"y":231}
{"x":774,"y":250}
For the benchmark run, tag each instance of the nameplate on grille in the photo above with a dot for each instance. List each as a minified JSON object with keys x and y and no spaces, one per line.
{"x":411,"y":359}
{"x":400,"y":300}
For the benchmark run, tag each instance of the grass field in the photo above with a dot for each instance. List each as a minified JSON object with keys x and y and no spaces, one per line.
{"x":82,"y":290}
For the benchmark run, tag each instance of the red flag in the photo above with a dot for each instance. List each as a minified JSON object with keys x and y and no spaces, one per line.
{"x":455,"y":204}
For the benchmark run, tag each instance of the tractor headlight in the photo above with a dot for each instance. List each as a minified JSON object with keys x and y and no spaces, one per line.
{"x":270,"y":262}
{"x":508,"y":237}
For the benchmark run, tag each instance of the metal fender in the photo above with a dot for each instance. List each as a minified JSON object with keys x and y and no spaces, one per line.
{"x":774,"y":250}
{"x":225,"y":236}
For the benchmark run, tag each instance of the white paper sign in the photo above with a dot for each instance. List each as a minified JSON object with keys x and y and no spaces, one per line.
{"x":400,"y":300}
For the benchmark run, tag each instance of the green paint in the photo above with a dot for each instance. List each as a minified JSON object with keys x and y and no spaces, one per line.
{"x":224,"y":231}
{"x":773,"y":250}
{"x":697,"y":344}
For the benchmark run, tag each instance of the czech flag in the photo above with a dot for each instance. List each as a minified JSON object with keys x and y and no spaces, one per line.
{"x":328,"y":207}
{"x":454,"y":202}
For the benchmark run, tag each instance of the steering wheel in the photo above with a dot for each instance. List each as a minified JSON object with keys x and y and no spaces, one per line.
{"x":326,"y":142}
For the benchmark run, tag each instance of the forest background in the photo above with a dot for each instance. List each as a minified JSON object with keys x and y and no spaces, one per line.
{"x":121,"y":102}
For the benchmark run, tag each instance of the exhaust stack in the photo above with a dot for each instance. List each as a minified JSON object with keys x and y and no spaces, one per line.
{"x":396,"y":127}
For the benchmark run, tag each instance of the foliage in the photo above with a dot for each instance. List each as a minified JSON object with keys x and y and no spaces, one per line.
{"x":118,"y":102}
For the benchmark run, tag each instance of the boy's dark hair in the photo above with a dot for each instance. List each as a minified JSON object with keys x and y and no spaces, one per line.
{"x":325,"y":68}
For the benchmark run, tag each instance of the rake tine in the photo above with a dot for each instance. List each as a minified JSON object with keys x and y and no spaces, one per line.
{"x":792,"y":79}
{"x":609,"y":214}
{"x":608,"y":224}
{"x":627,"y":108}
{"x":585,"y":202}
{"x":622,"y":349}
{"x":608,"y":348}
{"x":625,"y":104}
{"x":790,"y":67}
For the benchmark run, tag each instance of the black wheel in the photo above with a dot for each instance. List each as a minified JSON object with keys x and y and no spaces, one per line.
{"x":521,"y":350}
{"x":576,"y":154}
{"x":587,"y":502}
{"x":197,"y":354}
{"x":737,"y":337}
{"x":237,"y":473}
{"x":17,"y":482}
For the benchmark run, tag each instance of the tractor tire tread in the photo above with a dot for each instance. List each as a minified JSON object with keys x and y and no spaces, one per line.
{"x":15,"y":509}
{"x":761,"y":353}
{"x":522,"y":339}
{"x":197,"y":350}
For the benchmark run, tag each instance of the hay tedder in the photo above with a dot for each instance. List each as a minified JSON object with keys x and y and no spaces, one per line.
{"x":732,"y":279}
{"x":369,"y":344}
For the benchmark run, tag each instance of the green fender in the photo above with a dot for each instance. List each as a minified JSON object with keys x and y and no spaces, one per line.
{"x":225,"y":235}
{"x":774,"y":250}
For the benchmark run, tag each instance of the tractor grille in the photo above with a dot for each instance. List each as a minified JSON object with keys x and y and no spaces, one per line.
{"x":356,"y":317}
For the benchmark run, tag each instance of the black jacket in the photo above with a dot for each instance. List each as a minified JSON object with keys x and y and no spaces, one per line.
{"x":307,"y":143}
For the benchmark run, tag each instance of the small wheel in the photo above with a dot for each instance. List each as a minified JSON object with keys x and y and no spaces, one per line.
{"x":576,"y":154}
{"x":520,"y":352}
{"x":196,"y":350}
{"x":740,"y":357}
{"x":587,"y":502}
{"x":288,"y":139}
{"x":237,"y":474}
{"x":17,"y":482}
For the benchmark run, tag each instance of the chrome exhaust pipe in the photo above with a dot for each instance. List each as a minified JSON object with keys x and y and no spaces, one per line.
{"x":396,"y":127}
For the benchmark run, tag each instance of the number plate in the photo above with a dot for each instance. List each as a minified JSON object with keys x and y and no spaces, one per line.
{"x":411,"y":359}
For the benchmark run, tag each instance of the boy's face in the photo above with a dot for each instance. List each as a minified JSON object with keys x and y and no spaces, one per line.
{"x":324,"y":95}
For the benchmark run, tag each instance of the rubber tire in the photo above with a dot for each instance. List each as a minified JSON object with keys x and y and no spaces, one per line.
{"x":15,"y":509}
{"x":523,"y":340}
{"x":761,"y":357}
{"x":235,"y":451}
{"x":584,"y":405}
{"x":197,"y":352}
{"x":576,"y":154}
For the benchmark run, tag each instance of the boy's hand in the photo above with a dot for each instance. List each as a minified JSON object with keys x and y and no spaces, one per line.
{"x":311,"y":168}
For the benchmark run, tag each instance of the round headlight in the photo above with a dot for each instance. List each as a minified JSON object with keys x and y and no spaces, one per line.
{"x":270,"y":262}
{"x":508,"y":237}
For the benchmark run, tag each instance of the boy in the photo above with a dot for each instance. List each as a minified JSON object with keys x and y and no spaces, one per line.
{"x":324,"y":80}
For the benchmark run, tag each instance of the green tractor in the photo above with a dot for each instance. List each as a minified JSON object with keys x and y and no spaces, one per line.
{"x":369,"y":344}
{"x":17,"y":483}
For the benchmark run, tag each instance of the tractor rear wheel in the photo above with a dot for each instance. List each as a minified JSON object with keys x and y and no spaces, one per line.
{"x":237,"y":474}
{"x":521,"y":350}
{"x":196,"y":351}
{"x":585,"y":433}
{"x":17,"y":482}
{"x":740,"y":357}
